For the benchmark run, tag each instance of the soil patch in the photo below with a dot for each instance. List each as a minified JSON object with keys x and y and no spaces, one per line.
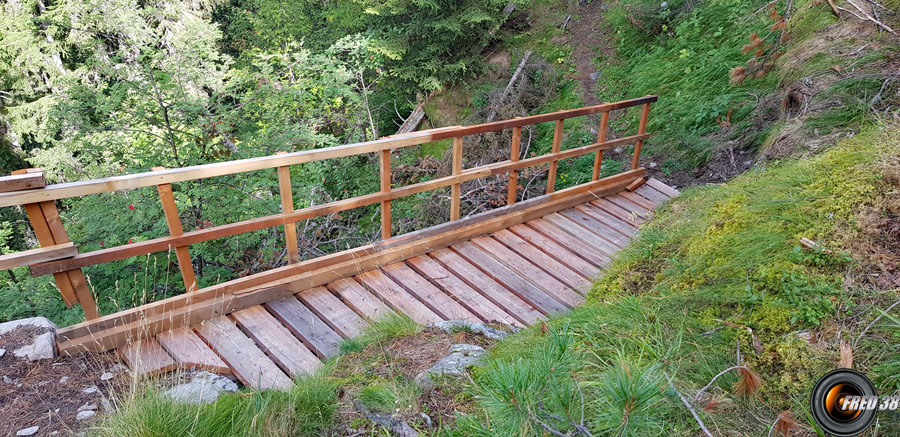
{"x":49,"y":393}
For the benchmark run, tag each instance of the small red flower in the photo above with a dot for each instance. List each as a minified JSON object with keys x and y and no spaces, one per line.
{"x":131,"y":206}
{"x":101,"y":244}
{"x":130,"y":240}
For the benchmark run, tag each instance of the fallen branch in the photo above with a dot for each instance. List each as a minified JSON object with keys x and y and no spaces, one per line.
{"x":509,"y":86}
{"x":699,"y":393}
{"x":689,"y":407}
{"x":865,"y":16}
{"x":861,"y":334}
{"x":834,"y":8}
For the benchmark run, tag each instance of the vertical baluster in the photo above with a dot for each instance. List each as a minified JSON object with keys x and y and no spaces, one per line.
{"x":642,"y":129}
{"x":385,"y":188}
{"x":557,"y":142}
{"x":287,"y":205}
{"x":457,"y":168}
{"x":601,"y":138}
{"x":49,"y":230}
{"x":170,"y":209}
{"x":514,"y":153}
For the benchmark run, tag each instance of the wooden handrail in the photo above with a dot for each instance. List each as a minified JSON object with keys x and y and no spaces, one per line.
{"x":40,"y":202}
{"x":154,"y":178}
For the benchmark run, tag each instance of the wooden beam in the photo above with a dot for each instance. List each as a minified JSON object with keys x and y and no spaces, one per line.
{"x":385,"y":175}
{"x":634,"y":185}
{"x":25,"y":181}
{"x":40,"y":254}
{"x":456,"y":170}
{"x":554,"y":165}
{"x":138,"y":180}
{"x":163,"y":243}
{"x":514,"y":155}
{"x":601,"y":138}
{"x":210,"y":302}
{"x":173,"y":220}
{"x":287,"y":206}
{"x":76,"y":277}
{"x":642,"y":128}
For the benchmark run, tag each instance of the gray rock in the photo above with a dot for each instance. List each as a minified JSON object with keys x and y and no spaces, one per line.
{"x":204,"y":388}
{"x":394,"y":424}
{"x":37,"y":322}
{"x":91,"y":389}
{"x":7,"y":379}
{"x":2,"y":352}
{"x":652,"y":165}
{"x":64,"y":380}
{"x":88,"y":407}
{"x":461,"y":357}
{"x":43,"y":347}
{"x":106,"y":376}
{"x":450,"y":326}
{"x":595,"y":75}
{"x":28,"y":431}
{"x":85,"y":415}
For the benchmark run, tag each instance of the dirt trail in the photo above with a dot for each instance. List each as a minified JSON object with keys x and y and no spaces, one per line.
{"x":588,"y":35}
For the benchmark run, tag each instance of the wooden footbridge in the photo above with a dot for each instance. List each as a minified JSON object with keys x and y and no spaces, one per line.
{"x":514,"y":264}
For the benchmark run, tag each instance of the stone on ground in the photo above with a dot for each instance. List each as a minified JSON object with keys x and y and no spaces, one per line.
{"x":43,"y":347}
{"x":28,"y":431}
{"x":85,"y":414}
{"x":37,"y":322}
{"x":204,"y":388}
{"x":451,"y":326}
{"x":461,"y":357}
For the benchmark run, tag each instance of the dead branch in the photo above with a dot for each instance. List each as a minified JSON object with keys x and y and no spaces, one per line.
{"x":864,"y":16}
{"x":699,"y":393}
{"x":834,"y":8}
{"x":509,"y":86}
{"x":689,"y":407}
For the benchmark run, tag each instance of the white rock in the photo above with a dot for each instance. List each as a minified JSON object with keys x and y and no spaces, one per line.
{"x":28,"y":431}
{"x":461,"y":357}
{"x":37,"y":322}
{"x":106,"y":376}
{"x":64,"y":380}
{"x":85,"y":415}
{"x":204,"y":388}
{"x":7,"y":380}
{"x":91,"y":389}
{"x":450,"y":326}
{"x":88,"y":407}
{"x":2,"y":352}
{"x":43,"y":347}
{"x":652,"y":165}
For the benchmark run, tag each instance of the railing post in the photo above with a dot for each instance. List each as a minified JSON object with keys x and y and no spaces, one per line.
{"x":456,"y":169}
{"x":601,"y":138}
{"x":173,"y":220}
{"x":642,"y":129}
{"x":557,"y":142}
{"x":49,"y":230}
{"x":287,"y":205}
{"x":514,"y":152}
{"x":386,"y":188}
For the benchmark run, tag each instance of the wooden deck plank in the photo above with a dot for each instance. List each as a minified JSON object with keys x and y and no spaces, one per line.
{"x":625,"y":229}
{"x":565,"y":239}
{"x":146,"y":357}
{"x":248,"y":363}
{"x":433,"y":297}
{"x":590,"y":238}
{"x":432,"y":270}
{"x":333,"y":312}
{"x":487,"y":286}
{"x":526,"y":290}
{"x":663,"y":188}
{"x":396,"y":297}
{"x":190,"y":352}
{"x":274,"y":339}
{"x":306,"y":326}
{"x":543,"y":261}
{"x":527,"y":269}
{"x":652,"y":195}
{"x":596,"y":226}
{"x":640,"y":201}
{"x":556,"y":251}
{"x":359,"y":299}
{"x":635,"y":218}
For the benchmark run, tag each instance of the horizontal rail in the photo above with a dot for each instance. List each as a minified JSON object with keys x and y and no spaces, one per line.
{"x":25,"y":181}
{"x":168,"y":176}
{"x":41,"y":254}
{"x":231,"y":229}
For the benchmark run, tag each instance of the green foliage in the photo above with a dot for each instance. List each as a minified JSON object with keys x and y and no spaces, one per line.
{"x":386,"y":328}
{"x":308,"y":408}
{"x":631,"y":397}
{"x":387,"y":397}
